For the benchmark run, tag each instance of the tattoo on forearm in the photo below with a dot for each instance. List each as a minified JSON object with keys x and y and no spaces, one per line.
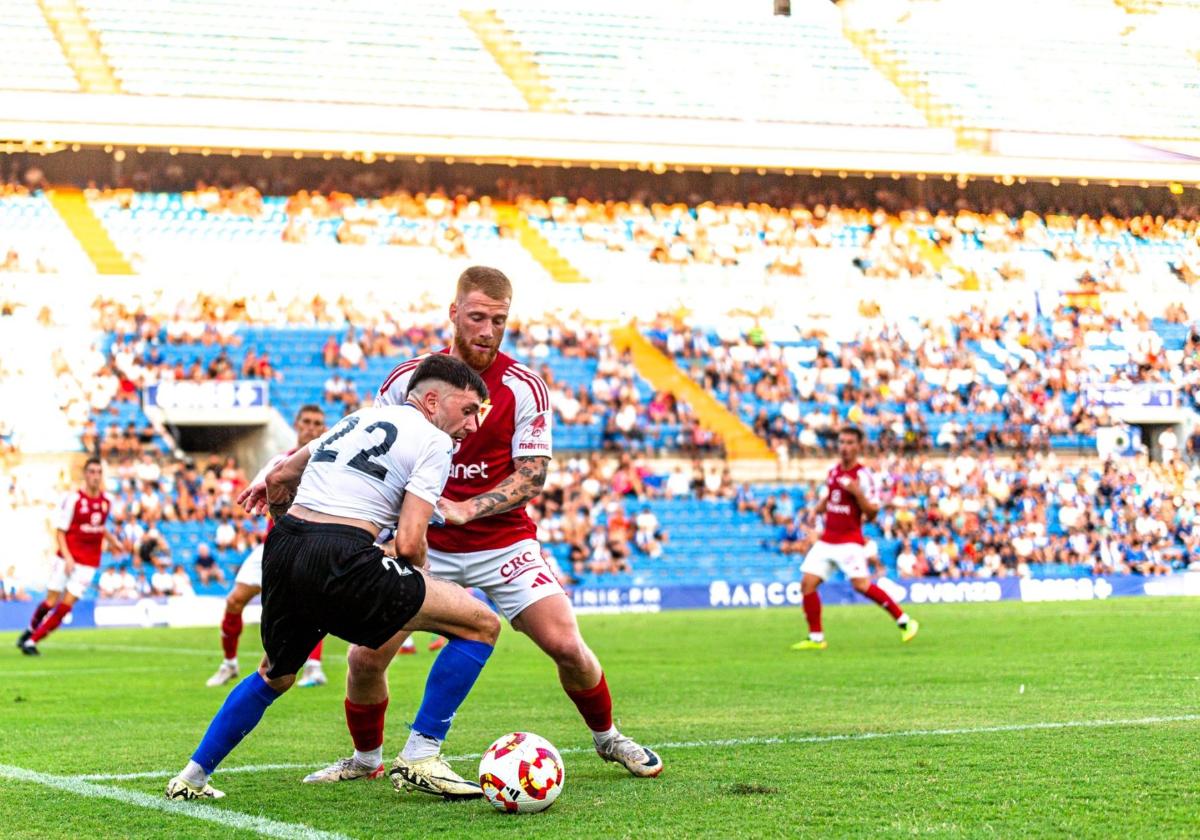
{"x":524,"y":484}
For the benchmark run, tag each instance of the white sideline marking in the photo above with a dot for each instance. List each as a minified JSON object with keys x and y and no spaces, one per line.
{"x":209,"y":813}
{"x":67,"y":671}
{"x":166,"y":774}
{"x":748,"y":742}
{"x":213,"y":653}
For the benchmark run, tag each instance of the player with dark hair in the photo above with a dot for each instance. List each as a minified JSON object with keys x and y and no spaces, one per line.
{"x":309,"y":425}
{"x":324,"y":573}
{"x":80,"y":535}
{"x":851,"y":497}
{"x":488,"y":542}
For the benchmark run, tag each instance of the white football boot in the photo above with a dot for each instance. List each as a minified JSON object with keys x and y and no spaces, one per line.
{"x":433,"y":776}
{"x":344,"y":770}
{"x":227,"y":673}
{"x":632,"y":756}
{"x":177,"y":788}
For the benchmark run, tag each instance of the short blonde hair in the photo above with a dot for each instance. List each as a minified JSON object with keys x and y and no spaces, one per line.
{"x":479,"y":278}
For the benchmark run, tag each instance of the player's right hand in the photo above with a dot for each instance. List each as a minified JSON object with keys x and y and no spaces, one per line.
{"x":69,"y":567}
{"x":254,"y":499}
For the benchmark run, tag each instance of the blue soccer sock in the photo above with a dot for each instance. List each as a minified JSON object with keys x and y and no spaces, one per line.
{"x":449,"y":682}
{"x":241,"y":712}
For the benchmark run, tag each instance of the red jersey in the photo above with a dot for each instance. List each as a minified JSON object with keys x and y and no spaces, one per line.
{"x":515,"y":423}
{"x":843,"y":516}
{"x":83,"y":517}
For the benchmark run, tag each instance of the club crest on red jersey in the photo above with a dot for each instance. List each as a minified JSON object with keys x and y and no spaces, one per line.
{"x":537,"y":426}
{"x":485,"y":408}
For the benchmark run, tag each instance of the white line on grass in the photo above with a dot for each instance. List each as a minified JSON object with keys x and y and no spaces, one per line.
{"x":150,"y":774}
{"x":67,"y":671}
{"x":213,"y":653}
{"x":209,"y":813}
{"x":751,"y":742}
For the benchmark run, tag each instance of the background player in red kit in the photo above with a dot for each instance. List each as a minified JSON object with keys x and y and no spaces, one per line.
{"x":309,"y":425}
{"x":489,"y":542}
{"x":851,"y":497}
{"x":81,"y":537}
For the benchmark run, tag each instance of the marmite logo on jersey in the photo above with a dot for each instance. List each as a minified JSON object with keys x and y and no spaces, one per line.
{"x":485,"y":409}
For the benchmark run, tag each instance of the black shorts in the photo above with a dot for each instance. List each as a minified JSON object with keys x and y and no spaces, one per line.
{"x":323,"y":579}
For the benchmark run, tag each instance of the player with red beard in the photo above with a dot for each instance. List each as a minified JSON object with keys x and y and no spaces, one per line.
{"x":488,"y":542}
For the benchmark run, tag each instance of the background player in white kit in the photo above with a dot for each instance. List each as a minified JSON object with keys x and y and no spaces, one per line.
{"x":309,"y":425}
{"x":489,"y":542}
{"x":851,"y":497}
{"x":323,"y":572}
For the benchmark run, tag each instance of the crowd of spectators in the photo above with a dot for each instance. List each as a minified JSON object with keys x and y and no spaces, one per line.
{"x":984,"y":517}
{"x":920,"y":384}
{"x":894,"y":236}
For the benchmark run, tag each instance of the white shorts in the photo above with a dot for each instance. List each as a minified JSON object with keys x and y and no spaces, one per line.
{"x":77,"y":585}
{"x":823,"y":558}
{"x":513,"y":577}
{"x":250,"y":572}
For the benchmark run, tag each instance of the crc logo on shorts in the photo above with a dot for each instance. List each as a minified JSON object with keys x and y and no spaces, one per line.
{"x":519,"y":565}
{"x":469,"y":472}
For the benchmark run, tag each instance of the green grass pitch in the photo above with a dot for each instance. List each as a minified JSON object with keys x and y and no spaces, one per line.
{"x":1125,"y":676}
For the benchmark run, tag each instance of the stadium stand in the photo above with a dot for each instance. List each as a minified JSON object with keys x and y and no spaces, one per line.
{"x":797,"y":69}
{"x":39,"y":63}
{"x":997,"y":72}
{"x":367,"y":52}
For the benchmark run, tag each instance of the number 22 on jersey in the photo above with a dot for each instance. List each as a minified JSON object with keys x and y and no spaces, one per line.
{"x":361,"y":461}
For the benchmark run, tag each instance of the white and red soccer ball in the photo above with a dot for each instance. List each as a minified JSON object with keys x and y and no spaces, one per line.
{"x":521,"y":773}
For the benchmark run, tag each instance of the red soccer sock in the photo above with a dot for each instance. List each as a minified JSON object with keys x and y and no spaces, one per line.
{"x":50,"y":622}
{"x":365,"y":722}
{"x":315,"y":656}
{"x":231,"y":631}
{"x":38,"y":615}
{"x":812,"y":612}
{"x":884,"y":600}
{"x":595,"y":704}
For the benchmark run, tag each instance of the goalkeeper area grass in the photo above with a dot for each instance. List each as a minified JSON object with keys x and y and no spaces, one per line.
{"x":1010,"y":719}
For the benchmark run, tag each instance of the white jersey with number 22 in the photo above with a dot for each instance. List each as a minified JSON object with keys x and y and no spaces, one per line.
{"x":363,"y":467}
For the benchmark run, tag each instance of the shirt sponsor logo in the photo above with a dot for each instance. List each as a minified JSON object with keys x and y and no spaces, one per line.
{"x":519,"y":565}
{"x":469,"y":472}
{"x":536,"y":445}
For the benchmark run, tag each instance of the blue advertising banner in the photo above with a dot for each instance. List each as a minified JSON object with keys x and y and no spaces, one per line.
{"x":15,"y":615}
{"x":206,"y":611}
{"x":242,"y":393}
{"x":723,"y":594}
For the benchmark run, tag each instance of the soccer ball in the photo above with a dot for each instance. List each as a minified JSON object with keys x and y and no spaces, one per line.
{"x":521,"y":773}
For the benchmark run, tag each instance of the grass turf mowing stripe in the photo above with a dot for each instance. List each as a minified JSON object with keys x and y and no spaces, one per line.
{"x":208,"y":813}
{"x":753,"y":741}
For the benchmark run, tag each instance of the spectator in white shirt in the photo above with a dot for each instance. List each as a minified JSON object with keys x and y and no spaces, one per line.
{"x":182,"y":583}
{"x":109,"y":583}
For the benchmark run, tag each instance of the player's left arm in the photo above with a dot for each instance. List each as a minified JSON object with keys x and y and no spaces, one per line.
{"x":113,"y":543}
{"x":531,"y":452}
{"x":524,"y":485}
{"x":866,"y":494}
{"x":283,"y":481}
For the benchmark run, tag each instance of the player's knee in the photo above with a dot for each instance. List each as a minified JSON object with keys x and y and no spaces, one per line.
{"x":234,"y":603}
{"x":860,"y":584}
{"x":568,"y":651}
{"x":486,"y":628}
{"x":809,"y":585}
{"x":366,"y":662}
